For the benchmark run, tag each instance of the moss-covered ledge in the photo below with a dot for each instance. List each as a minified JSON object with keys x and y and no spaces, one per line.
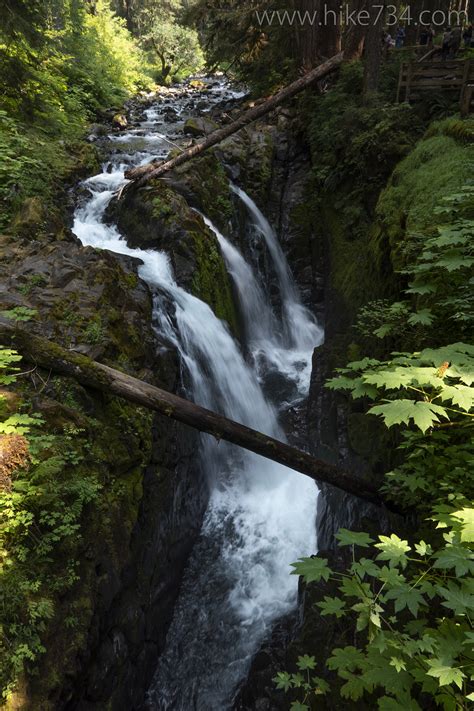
{"x":159,"y":217}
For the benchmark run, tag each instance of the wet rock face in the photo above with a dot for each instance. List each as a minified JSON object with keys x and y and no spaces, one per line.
{"x":272,"y":163}
{"x":136,"y":541}
{"x":259,"y":692}
{"x":85,"y":299}
{"x":288,"y":208}
{"x":129,"y":636}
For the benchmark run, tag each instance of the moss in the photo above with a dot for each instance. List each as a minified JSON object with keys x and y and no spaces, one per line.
{"x":462,"y":130}
{"x":206,"y":179}
{"x":349,"y":262}
{"x":438,"y":166}
{"x":49,"y":167}
{"x":250,"y":152}
{"x":94,"y":332}
{"x":258,"y":167}
{"x":354,"y":150}
{"x":131,"y":280}
{"x":211,"y":281}
{"x":29,"y":217}
{"x":162,"y":205}
{"x":162,"y":217}
{"x":48,"y":352}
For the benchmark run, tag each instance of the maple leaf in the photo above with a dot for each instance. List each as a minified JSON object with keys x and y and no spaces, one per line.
{"x":312,"y":569}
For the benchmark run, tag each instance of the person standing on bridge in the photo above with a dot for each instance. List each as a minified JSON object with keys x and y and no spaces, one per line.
{"x":386,"y":43}
{"x":424,"y":36}
{"x":400,"y":37}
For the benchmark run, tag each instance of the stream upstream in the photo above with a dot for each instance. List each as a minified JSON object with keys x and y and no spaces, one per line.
{"x":260,"y":516}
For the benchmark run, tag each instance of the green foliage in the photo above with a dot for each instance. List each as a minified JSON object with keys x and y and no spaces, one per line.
{"x":175,"y":46}
{"x":16,"y":157}
{"x":20,"y":313}
{"x":433,"y":391}
{"x":42,"y":499}
{"x":89,"y":62}
{"x":413,"y":607}
{"x":425,"y":381}
{"x":40,"y":516}
{"x":94,"y":332}
{"x":7,"y":370}
{"x":73,"y":60}
{"x":112,"y":65}
{"x":461,"y":130}
{"x":63,"y":485}
{"x":18,"y":423}
{"x":439,"y":266}
{"x":355,"y":147}
{"x":234,"y":40}
{"x":439,"y":166}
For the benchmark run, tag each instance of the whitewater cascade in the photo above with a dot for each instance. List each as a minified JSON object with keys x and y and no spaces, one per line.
{"x":261,"y":516}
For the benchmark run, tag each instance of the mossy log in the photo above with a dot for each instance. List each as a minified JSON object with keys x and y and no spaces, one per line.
{"x":46,"y":354}
{"x":141,"y":175}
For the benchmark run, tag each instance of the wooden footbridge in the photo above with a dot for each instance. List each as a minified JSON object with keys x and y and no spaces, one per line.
{"x":456,"y":75}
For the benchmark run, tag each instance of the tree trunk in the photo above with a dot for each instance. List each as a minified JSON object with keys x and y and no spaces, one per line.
{"x":44,"y":353}
{"x":143,"y":174}
{"x":373,"y":49}
{"x":329,"y":33}
{"x":355,"y":33}
{"x":306,"y":32}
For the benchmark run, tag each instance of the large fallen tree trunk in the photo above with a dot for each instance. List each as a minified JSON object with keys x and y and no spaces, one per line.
{"x":139,"y":176}
{"x":42,"y":352}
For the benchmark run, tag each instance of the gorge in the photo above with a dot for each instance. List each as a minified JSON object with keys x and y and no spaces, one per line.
{"x":309,"y":276}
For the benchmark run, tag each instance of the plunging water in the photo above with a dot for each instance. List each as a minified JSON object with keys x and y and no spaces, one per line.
{"x":261,"y":516}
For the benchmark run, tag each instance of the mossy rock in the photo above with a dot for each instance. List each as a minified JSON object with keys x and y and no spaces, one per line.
{"x":199,"y":126}
{"x":158,"y":217}
{"x":249,"y":154}
{"x":30,"y":217}
{"x":205,"y":184}
{"x":84,"y":161}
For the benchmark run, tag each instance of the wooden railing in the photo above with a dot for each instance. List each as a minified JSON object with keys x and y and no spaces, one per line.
{"x":453,"y":74}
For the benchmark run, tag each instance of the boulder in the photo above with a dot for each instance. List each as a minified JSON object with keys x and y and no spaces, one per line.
{"x":199,"y":126}
{"x":159,"y":218}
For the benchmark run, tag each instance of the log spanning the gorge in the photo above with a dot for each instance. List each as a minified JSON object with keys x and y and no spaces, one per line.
{"x":46,"y":354}
{"x":141,"y":175}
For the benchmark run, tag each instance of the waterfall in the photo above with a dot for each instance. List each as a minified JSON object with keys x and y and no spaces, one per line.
{"x":261,"y":516}
{"x":302,"y":330}
{"x":257,"y":315}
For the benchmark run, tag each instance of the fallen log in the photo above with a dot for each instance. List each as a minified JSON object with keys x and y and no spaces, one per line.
{"x":46,"y":354}
{"x":141,"y":175}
